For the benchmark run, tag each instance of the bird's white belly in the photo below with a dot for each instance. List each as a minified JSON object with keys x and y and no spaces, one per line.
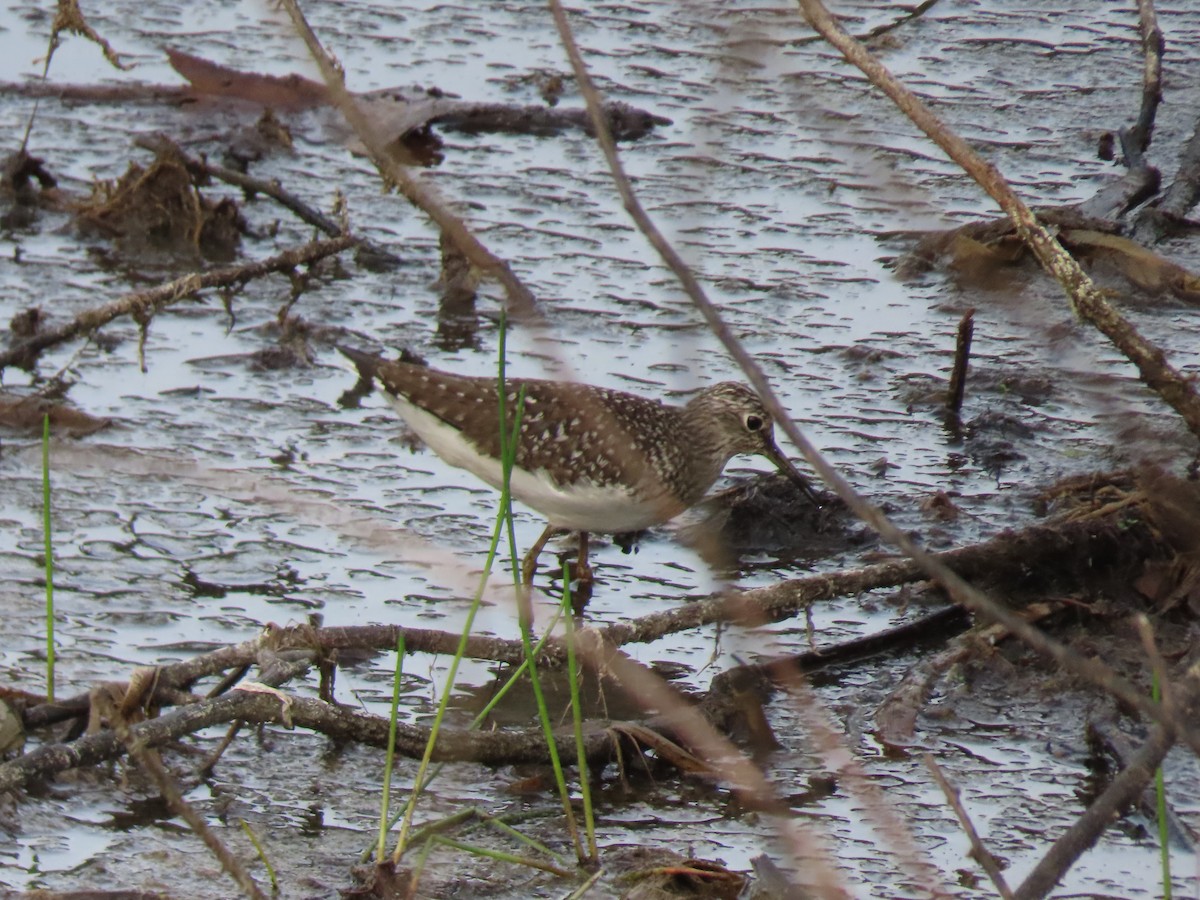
{"x":583,"y":507}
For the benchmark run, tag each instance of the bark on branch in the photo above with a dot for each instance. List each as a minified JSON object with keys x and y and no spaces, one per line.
{"x":1086,"y":298}
{"x":143,"y":304}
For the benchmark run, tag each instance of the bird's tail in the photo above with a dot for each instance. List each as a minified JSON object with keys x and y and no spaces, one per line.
{"x":364,"y":365}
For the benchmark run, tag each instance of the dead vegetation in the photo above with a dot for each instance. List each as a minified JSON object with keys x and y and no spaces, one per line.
{"x":1056,"y":598}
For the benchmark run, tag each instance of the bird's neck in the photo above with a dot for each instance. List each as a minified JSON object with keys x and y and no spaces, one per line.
{"x":705,"y":461}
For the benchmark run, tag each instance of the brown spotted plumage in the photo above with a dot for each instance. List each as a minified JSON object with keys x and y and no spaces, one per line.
{"x":587,"y":458}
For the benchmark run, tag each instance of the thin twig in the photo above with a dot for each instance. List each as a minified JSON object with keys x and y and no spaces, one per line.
{"x":143,"y":304}
{"x":963,"y":593}
{"x":157,"y":143}
{"x":522,"y":304}
{"x":152,"y":763}
{"x":1107,"y":737}
{"x":962,"y":356}
{"x":1158,"y":665}
{"x":708,"y":744}
{"x":1178,"y":391}
{"x":981,"y":853}
{"x":910,"y":15}
{"x":894,"y":831}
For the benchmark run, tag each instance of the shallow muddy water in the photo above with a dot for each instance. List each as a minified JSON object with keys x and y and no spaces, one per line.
{"x":224,"y":497}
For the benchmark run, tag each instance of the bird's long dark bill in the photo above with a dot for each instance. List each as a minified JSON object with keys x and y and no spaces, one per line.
{"x":785,"y":466}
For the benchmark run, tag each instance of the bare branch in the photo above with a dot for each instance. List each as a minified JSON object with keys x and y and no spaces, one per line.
{"x":522,"y":303}
{"x":1093,"y":670}
{"x":1105,"y":809}
{"x":143,"y":304}
{"x":981,"y":853}
{"x":1087,"y":300}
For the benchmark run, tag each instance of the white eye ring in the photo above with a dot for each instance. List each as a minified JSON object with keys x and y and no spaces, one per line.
{"x":755,"y":422}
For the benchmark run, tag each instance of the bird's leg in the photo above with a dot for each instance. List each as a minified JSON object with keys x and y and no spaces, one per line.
{"x":583,"y":571}
{"x":581,"y":588}
{"x":529,"y":563}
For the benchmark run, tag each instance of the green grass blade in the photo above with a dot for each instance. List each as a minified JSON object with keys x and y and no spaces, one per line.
{"x":501,"y":856}
{"x":422,"y":779}
{"x":585,"y":790}
{"x":519,"y":671}
{"x":551,"y":746}
{"x":481,"y":716}
{"x":504,"y":828}
{"x":262,"y":854}
{"x":508,"y":444}
{"x":49,"y":553}
{"x":439,"y":718}
{"x":390,"y":761}
{"x":509,"y":436}
{"x":1160,"y":798}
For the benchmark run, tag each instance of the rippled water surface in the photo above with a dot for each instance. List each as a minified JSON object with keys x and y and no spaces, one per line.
{"x":224,"y":497}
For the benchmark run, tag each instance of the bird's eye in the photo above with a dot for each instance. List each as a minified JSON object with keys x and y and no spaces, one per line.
{"x":754,"y":423}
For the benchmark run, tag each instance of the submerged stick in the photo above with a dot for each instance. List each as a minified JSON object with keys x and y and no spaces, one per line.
{"x":978,"y":850}
{"x":962,"y":354}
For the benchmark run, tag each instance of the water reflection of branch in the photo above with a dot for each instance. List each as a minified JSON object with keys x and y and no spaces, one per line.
{"x":1168,"y":212}
{"x":1141,"y":180}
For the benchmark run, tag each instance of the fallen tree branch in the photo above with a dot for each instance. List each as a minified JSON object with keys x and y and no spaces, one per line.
{"x":1124,"y":790}
{"x":1086,"y":299}
{"x":99,"y":93}
{"x":337,"y":722}
{"x":143,"y":304}
{"x":1005,"y":558}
